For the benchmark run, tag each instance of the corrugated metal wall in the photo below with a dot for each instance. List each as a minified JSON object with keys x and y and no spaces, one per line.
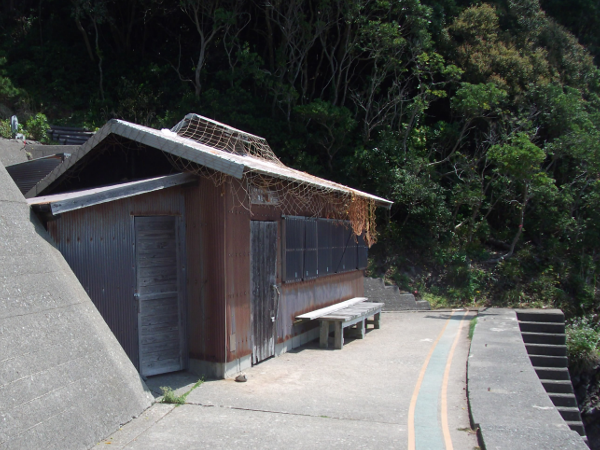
{"x":206,"y":270}
{"x":296,"y":298}
{"x":98,"y":244}
{"x":237,"y":281}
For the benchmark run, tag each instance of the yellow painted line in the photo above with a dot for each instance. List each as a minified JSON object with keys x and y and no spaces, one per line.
{"x":444,"y":408}
{"x":413,"y":400}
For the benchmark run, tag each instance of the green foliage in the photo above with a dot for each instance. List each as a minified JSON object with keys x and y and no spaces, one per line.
{"x":5,"y":130}
{"x":37,"y":128}
{"x":583,"y":337}
{"x":480,"y":121}
{"x":169,"y":396}
{"x":478,"y":100}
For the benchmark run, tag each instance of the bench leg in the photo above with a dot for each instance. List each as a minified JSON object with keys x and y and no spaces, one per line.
{"x":377,"y":323}
{"x":339,"y":335}
{"x":360,"y":330}
{"x":324,"y":335}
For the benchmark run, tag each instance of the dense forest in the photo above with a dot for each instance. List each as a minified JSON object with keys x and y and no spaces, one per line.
{"x":479,"y":120}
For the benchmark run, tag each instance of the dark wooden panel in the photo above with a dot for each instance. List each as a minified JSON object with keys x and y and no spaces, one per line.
{"x":294,"y":248}
{"x":263,"y":266}
{"x":363,"y":252}
{"x":158,"y":288}
{"x":324,"y":227}
{"x":311,"y":267}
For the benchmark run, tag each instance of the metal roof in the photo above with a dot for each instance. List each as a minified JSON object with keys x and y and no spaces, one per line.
{"x":70,"y":201}
{"x":27,"y":174}
{"x":168,"y":141}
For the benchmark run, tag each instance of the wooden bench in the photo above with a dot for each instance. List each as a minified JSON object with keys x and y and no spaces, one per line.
{"x":350,"y":313}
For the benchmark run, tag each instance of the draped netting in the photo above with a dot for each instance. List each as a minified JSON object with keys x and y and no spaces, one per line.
{"x":293,"y":195}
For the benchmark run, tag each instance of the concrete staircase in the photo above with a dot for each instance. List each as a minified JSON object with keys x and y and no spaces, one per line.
{"x":543,"y":332}
{"x":377,"y":291}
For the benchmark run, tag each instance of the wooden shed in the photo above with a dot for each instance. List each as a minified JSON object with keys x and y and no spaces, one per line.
{"x":198,"y":247}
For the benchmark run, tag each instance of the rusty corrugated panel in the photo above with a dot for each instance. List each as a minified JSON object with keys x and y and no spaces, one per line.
{"x":305,"y":296}
{"x":238,"y":310}
{"x":206,"y":271}
{"x":98,"y":244}
{"x":296,"y":298}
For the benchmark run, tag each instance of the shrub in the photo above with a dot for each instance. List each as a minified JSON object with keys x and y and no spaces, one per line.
{"x":5,"y":130}
{"x":37,"y":127}
{"x":583,"y":336}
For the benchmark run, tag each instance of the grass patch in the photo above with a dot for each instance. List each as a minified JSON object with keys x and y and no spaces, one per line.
{"x":436,"y":301}
{"x":472,"y":324}
{"x":169,"y":395}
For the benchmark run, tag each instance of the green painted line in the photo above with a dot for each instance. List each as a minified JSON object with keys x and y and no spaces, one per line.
{"x":428,"y":425}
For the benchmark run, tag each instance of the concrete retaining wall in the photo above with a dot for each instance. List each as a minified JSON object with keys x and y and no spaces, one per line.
{"x":65,"y":382}
{"x":507,"y":401}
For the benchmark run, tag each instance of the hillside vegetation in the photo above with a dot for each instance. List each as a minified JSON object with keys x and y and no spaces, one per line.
{"x":479,"y":120}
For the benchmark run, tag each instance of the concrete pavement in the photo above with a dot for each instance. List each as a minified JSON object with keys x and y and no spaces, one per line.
{"x":358,"y":397}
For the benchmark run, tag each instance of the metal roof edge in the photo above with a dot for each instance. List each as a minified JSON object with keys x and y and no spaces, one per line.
{"x":154,"y":138}
{"x":71,"y":201}
{"x":208,"y":158}
{"x":100,"y":135}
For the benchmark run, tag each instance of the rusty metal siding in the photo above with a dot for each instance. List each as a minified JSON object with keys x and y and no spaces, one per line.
{"x":237,"y":281}
{"x":98,"y":244}
{"x":306,"y":296}
{"x":206,"y":271}
{"x":298,"y":297}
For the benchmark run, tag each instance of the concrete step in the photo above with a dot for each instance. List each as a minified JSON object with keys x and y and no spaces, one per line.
{"x":576,"y":426}
{"x":544,"y":338}
{"x":552,"y":373}
{"x":569,"y":413}
{"x":557,"y":386}
{"x":563,"y":399}
{"x":546,"y":349}
{"x":543,"y":327}
{"x":540,"y":315}
{"x":548,"y":361}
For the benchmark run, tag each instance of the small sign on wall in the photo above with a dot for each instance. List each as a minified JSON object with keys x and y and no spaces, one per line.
{"x":259,"y":196}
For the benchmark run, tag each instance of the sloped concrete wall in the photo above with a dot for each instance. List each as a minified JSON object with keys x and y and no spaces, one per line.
{"x":65,"y":382}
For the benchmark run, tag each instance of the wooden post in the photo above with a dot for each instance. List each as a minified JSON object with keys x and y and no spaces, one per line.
{"x":360,"y":330}
{"x":377,"y":320}
{"x":324,"y":335}
{"x":339,"y":335}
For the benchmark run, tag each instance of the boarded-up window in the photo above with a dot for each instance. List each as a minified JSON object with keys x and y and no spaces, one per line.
{"x":324,"y":227}
{"x":320,"y":247}
{"x":349,"y":249}
{"x":294,"y":248}
{"x":338,"y":244}
{"x":311,"y":268}
{"x":363,"y":251}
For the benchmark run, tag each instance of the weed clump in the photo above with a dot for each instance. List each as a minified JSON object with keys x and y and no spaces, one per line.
{"x":169,"y":395}
{"x":472,"y":328}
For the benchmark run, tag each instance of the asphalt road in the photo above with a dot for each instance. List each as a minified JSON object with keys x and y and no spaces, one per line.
{"x":401,"y":387}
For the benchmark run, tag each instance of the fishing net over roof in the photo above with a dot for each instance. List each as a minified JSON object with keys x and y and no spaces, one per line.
{"x":223,"y":137}
{"x":284,"y":187}
{"x":221,"y":153}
